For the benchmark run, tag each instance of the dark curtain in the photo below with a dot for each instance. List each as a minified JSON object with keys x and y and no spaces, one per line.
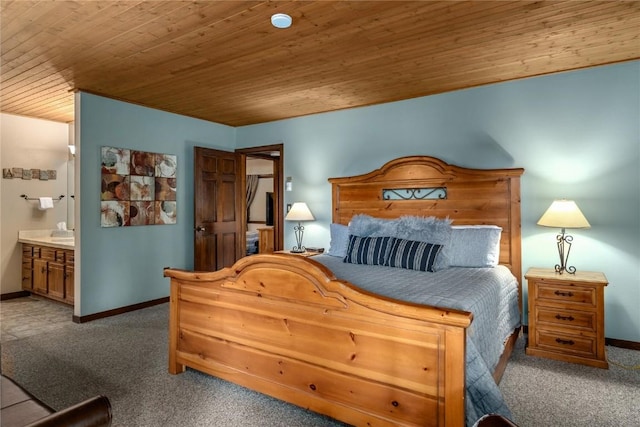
{"x":252,"y":187}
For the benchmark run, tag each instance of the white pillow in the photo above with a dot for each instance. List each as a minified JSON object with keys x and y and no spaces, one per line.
{"x":474,"y":246}
{"x":339,"y":240}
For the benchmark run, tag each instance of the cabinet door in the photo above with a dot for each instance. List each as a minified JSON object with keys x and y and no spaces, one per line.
{"x":69,"y":283}
{"x":27,"y":267}
{"x":56,"y":280}
{"x":40,"y":275}
{"x":27,"y":274}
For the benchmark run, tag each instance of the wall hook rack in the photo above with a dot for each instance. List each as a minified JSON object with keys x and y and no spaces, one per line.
{"x":24,"y":196}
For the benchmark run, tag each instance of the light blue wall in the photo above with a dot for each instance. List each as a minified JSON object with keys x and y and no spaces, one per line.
{"x":577,"y":135}
{"x":123,"y":266}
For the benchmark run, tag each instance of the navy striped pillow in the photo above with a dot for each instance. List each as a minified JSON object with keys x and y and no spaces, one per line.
{"x":368,"y":250}
{"x":413,"y":255}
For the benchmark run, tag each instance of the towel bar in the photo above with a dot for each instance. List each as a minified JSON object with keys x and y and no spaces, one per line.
{"x":24,"y":196}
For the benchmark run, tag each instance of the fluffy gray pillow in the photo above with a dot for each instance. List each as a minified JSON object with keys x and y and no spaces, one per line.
{"x":367,"y":226}
{"x":430,"y":230}
{"x":425,"y":229}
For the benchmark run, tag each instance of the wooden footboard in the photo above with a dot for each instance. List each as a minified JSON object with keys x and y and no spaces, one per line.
{"x":285,"y":326}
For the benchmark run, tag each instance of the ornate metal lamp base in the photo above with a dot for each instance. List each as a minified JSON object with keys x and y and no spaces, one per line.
{"x":298,"y":248}
{"x":564,"y":247}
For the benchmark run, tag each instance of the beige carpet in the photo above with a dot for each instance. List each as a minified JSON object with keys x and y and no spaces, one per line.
{"x":125,"y":358}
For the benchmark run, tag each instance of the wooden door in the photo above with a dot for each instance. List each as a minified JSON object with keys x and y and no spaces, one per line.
{"x":56,"y":280}
{"x":219,"y":237}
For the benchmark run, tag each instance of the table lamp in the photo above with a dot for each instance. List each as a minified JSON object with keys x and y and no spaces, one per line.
{"x":299,"y":212}
{"x":564,"y":214}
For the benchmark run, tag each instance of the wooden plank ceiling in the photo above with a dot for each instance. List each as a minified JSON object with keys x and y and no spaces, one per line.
{"x":223,"y":61}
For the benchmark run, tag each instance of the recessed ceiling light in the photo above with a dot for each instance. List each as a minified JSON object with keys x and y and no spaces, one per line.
{"x":281,"y":20}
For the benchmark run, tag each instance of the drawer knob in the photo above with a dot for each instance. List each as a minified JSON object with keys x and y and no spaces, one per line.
{"x":564,"y":294}
{"x":569,"y":318}
{"x":565,"y":342}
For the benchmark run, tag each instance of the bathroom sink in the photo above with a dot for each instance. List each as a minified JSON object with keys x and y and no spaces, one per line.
{"x":62,"y":234}
{"x":63,"y":239}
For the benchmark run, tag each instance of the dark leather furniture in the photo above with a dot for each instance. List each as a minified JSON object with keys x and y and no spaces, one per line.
{"x":494,"y":420}
{"x":21,"y":409}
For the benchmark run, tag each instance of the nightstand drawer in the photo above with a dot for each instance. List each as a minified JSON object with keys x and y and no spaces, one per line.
{"x":553,"y":295}
{"x":568,"y":344}
{"x":582,"y":320}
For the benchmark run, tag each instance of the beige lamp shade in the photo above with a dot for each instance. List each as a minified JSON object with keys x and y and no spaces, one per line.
{"x":564,"y":214}
{"x":299,"y":212}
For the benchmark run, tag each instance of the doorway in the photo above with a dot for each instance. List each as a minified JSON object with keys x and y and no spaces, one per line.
{"x":266,"y":165}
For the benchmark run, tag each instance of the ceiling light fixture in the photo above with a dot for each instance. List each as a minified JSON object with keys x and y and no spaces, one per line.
{"x":281,"y":20}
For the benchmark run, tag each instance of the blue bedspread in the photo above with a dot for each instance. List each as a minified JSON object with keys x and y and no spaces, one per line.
{"x":491,"y":294}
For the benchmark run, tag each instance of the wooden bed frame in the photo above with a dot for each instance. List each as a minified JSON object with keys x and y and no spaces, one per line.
{"x":285,"y":326}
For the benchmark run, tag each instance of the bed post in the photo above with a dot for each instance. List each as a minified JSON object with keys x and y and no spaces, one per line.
{"x":454,"y":380}
{"x":516,"y":234}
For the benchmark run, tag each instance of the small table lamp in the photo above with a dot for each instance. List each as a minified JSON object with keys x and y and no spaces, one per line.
{"x":299,"y":212}
{"x":564,"y":214}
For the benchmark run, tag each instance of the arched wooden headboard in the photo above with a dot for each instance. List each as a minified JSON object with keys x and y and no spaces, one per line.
{"x":467,"y":196}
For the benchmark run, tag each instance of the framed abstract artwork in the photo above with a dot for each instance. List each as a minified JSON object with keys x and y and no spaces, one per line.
{"x":137,"y":188}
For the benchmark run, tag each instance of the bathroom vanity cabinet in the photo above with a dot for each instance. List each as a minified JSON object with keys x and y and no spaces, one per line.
{"x":48,"y":271}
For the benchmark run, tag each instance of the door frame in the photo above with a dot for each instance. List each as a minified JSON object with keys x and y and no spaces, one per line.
{"x":266,"y":152}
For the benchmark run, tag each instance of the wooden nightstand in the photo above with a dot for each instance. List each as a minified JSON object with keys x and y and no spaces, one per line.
{"x":566,"y":316}
{"x":304,"y":254}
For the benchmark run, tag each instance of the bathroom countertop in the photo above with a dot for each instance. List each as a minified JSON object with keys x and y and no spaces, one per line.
{"x":43,"y":238}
